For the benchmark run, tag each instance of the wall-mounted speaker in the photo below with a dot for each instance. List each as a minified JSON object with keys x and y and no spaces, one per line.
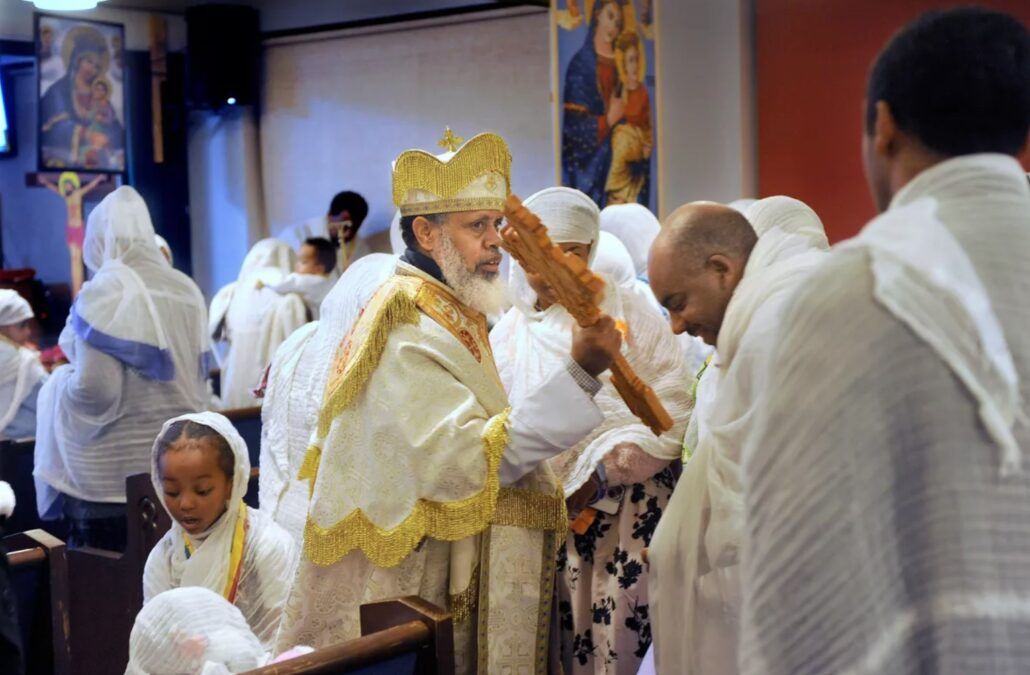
{"x":223,"y":50}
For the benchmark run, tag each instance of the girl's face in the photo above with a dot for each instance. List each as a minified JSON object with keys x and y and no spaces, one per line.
{"x":545,"y":296}
{"x":196,"y":489}
{"x":608,"y":21}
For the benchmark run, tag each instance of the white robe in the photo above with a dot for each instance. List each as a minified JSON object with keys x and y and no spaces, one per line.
{"x":269,"y":554}
{"x":312,"y":288}
{"x":434,"y":443}
{"x":254,"y":321}
{"x":695,"y":552}
{"x":886,"y":513}
{"x":297,"y":376}
{"x":137,"y":353}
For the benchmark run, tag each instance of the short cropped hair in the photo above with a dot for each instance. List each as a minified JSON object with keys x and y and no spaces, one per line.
{"x":325,"y":252}
{"x":351,"y":202}
{"x":958,"y":81}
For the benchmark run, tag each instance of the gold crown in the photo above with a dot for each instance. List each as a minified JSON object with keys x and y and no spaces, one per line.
{"x":473,"y":177}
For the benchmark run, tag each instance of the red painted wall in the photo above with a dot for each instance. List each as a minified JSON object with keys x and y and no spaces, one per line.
{"x":812,"y":60}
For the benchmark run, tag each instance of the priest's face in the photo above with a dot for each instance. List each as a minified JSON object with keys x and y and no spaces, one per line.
{"x":476,"y":237}
{"x":466,"y":246}
{"x":695,"y":294}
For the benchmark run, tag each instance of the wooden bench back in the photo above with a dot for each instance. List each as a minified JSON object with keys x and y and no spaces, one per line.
{"x":400,"y":636}
{"x":37,"y":569}
{"x":107,"y":588}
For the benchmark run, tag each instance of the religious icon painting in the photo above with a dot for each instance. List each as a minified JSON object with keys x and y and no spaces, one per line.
{"x":80,"y":78}
{"x":605,"y":57}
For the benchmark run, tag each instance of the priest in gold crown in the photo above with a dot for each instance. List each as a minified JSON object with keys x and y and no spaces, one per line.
{"x":425,"y":481}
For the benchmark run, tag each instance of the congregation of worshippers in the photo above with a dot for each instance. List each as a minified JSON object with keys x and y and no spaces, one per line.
{"x":281,"y":392}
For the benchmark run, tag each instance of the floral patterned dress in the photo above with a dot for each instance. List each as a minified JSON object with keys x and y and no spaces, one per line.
{"x":602,"y":586}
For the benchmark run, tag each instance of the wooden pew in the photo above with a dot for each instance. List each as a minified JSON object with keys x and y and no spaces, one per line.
{"x":106,"y":588}
{"x":404,"y":635}
{"x":37,"y":568}
{"x":248,"y":422}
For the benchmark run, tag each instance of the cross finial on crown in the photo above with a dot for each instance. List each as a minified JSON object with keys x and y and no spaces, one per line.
{"x":450,"y":141}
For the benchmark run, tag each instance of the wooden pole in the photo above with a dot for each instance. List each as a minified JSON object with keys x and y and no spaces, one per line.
{"x":158,"y":74}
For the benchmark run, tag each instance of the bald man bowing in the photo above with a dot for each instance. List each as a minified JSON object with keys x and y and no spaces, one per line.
{"x":720,"y":281}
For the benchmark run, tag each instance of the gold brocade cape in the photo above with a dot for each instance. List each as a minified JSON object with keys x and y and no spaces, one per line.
{"x":406,"y":497}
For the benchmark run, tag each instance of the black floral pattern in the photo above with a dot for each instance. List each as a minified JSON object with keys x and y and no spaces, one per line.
{"x":603,"y":608}
{"x":583,"y":647}
{"x":640,"y":623}
{"x":565,"y":614}
{"x":603,"y":611}
{"x":646,"y":522}
{"x":586,"y":543}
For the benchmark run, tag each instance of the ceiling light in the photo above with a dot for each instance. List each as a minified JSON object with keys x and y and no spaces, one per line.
{"x":64,"y":5}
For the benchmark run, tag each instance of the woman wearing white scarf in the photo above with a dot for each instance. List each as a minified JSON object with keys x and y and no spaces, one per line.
{"x":254,"y":320}
{"x":301,"y":366}
{"x":244,"y":555}
{"x":137,"y":353}
{"x":600,"y":569}
{"x":21,"y":373}
{"x":695,"y":553}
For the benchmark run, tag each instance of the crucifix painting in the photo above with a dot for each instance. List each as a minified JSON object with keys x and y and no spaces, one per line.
{"x":69,"y":188}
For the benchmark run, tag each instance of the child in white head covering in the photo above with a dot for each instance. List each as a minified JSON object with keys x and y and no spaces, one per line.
{"x":21,"y":373}
{"x":201,"y":468}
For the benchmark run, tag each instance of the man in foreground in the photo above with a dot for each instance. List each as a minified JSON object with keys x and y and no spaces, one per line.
{"x":887,"y":495}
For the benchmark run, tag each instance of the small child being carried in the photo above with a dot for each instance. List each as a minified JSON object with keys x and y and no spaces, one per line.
{"x":312,"y":277}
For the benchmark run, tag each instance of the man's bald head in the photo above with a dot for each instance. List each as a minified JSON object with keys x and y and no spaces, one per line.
{"x":697,"y":262}
{"x":699,"y":230}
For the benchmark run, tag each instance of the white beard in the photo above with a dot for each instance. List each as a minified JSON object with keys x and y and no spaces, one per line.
{"x":485,"y":293}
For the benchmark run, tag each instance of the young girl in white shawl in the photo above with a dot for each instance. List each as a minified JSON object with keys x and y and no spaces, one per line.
{"x":138,"y":354}
{"x":621,"y":468}
{"x":21,"y":372}
{"x":200,"y":467}
{"x":253,"y":320}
